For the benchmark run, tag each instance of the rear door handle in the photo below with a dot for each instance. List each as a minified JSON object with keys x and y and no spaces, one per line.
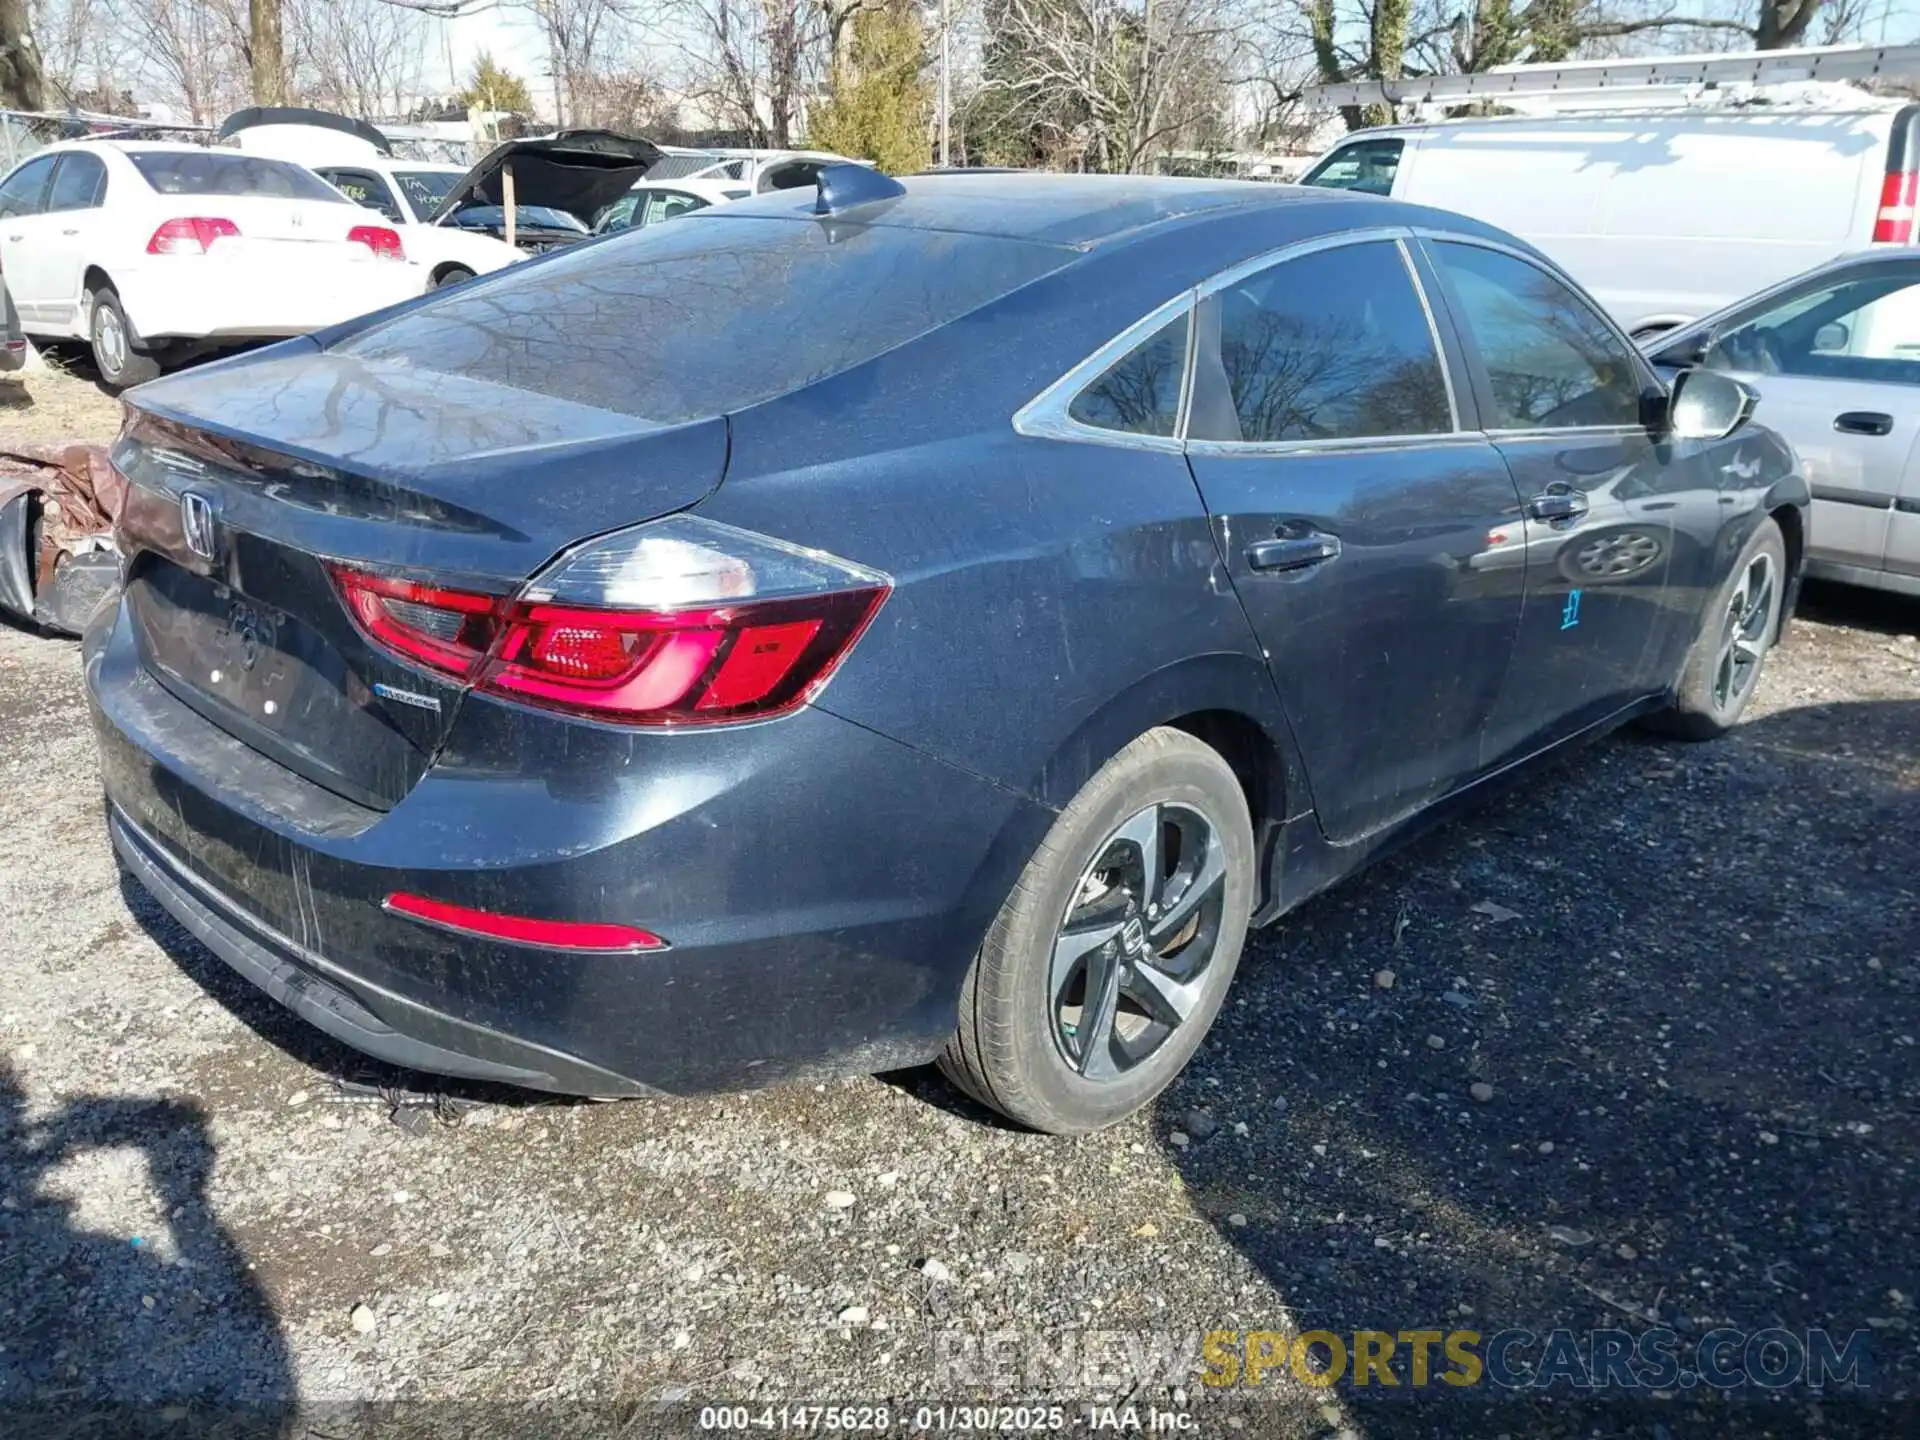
{"x":1557,"y":505}
{"x":70,"y":232}
{"x":1863,"y":422}
{"x":1294,"y":552}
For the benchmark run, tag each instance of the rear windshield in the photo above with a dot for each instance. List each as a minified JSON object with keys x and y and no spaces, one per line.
{"x":205,"y":172}
{"x":710,"y":314}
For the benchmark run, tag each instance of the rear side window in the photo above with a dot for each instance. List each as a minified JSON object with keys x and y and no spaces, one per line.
{"x":1140,"y":393}
{"x":1332,"y":346}
{"x":1365,"y":165}
{"x":79,"y":184}
{"x":1552,"y":362}
{"x":673,"y":323}
{"x":208,"y":172}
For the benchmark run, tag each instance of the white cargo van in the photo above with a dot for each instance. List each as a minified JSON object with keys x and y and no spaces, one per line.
{"x":1665,"y":208}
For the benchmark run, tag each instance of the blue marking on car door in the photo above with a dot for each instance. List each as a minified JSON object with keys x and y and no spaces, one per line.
{"x":1570,"y":613}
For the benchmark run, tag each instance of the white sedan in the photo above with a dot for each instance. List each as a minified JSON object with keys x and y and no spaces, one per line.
{"x":410,"y":193}
{"x":155,"y":252}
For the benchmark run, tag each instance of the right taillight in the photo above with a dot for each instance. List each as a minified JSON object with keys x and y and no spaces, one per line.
{"x":680,"y":622}
{"x":190,"y":235}
{"x":1893,"y":222}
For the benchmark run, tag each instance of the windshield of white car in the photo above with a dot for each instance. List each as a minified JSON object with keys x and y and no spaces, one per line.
{"x":425,"y":189}
{"x":206,"y":172}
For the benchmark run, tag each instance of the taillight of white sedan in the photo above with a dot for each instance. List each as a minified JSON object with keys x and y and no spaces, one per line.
{"x":154,"y":253}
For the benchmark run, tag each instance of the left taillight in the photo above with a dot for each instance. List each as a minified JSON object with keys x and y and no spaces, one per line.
{"x":190,"y":235}
{"x":680,"y":622}
{"x":383,"y":240}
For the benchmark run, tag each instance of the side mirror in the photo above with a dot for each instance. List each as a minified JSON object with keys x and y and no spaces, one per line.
{"x":1707,"y":405}
{"x":1831,"y":337}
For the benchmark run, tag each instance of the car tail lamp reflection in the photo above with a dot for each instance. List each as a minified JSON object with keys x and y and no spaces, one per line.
{"x":381,"y":239}
{"x":681,"y":622}
{"x":190,"y":235}
{"x":591,"y":936}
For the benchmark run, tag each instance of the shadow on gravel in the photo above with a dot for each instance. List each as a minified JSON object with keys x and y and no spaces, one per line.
{"x":1698,"y":1013}
{"x":109,"y":1335}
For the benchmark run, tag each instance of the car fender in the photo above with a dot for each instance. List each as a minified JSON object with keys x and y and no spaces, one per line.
{"x":434,"y":245}
{"x":1223,"y":681}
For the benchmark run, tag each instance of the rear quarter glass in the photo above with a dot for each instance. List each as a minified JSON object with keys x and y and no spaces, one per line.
{"x":708,"y":315}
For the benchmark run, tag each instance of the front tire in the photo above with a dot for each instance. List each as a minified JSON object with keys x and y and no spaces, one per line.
{"x":1109,"y":961}
{"x":113,"y":338}
{"x":1737,"y":630}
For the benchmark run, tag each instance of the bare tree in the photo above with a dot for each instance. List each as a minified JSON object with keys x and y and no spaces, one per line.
{"x":748,"y":63}
{"x":360,"y":57}
{"x":266,"y":55}
{"x":192,"y":53}
{"x":21,"y":85}
{"x":1101,"y":84}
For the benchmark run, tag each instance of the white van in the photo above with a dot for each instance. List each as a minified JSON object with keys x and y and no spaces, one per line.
{"x":1667,"y":214}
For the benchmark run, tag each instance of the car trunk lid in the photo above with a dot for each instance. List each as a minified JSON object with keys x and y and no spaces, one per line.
{"x":251,"y":482}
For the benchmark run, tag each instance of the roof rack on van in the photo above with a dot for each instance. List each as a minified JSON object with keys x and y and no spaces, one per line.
{"x":1662,"y":80}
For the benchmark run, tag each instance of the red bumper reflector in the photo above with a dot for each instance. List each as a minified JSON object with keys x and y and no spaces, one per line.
{"x":519,"y":930}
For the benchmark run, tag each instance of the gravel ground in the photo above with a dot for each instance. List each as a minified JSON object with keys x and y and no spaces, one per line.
{"x":1688,"y":975}
{"x":54,"y":402}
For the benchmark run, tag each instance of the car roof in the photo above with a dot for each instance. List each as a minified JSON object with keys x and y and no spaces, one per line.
{"x":1082,"y":211}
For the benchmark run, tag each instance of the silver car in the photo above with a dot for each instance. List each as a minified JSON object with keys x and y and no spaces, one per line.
{"x":1835,"y":356}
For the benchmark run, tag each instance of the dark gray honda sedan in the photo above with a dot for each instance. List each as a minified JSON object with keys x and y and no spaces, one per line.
{"x":846,"y":629}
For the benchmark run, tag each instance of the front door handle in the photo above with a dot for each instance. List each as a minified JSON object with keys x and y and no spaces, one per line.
{"x":70,"y":232}
{"x":1557,"y":505}
{"x":1293,"y":552}
{"x":1863,"y":422}
{"x":16,"y":238}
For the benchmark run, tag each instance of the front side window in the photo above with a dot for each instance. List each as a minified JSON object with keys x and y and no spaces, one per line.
{"x":1140,"y":393}
{"x":1367,"y":165}
{"x":1552,"y":362}
{"x":26,"y":188}
{"x":1866,"y":328}
{"x":1334,"y":345}
{"x":363,"y":187}
{"x":618,"y":215}
{"x":210,"y":172}
{"x":79,"y":184}
{"x":669,"y":203}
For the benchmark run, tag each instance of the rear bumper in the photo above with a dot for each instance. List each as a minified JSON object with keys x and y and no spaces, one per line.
{"x":822,"y":888}
{"x":203,"y":297}
{"x":327,"y":996}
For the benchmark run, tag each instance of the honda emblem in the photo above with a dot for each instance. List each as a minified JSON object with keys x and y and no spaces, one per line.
{"x":196,"y":523}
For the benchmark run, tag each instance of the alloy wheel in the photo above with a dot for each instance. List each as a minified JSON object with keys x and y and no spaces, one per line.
{"x":1133,"y":955}
{"x":109,"y":340}
{"x":1745,"y":633}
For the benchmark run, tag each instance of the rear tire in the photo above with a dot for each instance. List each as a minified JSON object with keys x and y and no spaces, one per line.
{"x":1109,"y":961}
{"x":452,"y":275}
{"x":1737,"y":630}
{"x":114,"y":354}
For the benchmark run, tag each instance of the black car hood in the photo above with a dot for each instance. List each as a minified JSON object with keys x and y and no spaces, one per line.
{"x":579,"y":171}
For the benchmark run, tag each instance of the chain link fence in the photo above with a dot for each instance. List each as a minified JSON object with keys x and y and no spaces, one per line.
{"x":24,"y":131}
